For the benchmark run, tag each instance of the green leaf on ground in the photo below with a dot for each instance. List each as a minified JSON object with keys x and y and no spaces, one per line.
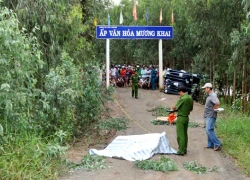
{"x":118,"y":123}
{"x":164,"y":165}
{"x":158,"y":122}
{"x":90,"y":162}
{"x":159,"y":111}
{"x":198,"y":168}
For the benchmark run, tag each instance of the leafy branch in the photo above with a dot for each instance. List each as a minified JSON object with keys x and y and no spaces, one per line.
{"x":198,"y":168}
{"x":159,"y":111}
{"x":164,"y":165}
{"x":90,"y":162}
{"x":118,"y":123}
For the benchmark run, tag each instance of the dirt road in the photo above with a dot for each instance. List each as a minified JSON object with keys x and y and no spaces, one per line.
{"x":137,"y":110}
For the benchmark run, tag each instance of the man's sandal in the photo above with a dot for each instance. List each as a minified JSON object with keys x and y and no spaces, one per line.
{"x":217,"y":148}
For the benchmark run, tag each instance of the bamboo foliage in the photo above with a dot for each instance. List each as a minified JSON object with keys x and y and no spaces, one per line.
{"x":20,"y":60}
{"x":41,"y":79}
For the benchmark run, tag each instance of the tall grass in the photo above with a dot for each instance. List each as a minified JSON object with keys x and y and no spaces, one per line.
{"x":25,"y":156}
{"x":233,"y":129}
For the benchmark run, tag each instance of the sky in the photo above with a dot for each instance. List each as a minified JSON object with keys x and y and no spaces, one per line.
{"x":116,"y":1}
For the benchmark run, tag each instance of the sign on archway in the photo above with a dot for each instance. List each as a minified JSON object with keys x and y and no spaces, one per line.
{"x":134,"y":32}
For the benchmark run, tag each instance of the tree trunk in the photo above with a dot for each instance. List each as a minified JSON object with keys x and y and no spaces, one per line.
{"x":213,"y":72}
{"x":184,"y":64}
{"x":227,"y":93}
{"x":213,"y":67}
{"x":234,"y":86}
{"x":243,"y":83}
{"x":210,"y":72}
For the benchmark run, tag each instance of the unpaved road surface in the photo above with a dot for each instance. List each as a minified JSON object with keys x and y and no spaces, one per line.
{"x":137,"y":110}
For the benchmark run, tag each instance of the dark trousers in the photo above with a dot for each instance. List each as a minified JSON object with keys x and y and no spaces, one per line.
{"x":153,"y":83}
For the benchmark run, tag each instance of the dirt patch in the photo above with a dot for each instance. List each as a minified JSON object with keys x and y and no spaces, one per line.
{"x":137,"y":109}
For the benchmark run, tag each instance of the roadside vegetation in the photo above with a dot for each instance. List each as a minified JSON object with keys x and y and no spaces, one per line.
{"x":50,"y":93}
{"x":50,"y":88}
{"x":233,"y":128}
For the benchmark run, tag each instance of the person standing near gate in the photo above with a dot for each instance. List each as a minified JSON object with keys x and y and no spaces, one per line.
{"x":184,"y":106}
{"x":123,"y":74}
{"x":210,"y":115}
{"x":135,"y":80}
{"x":153,"y":78}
